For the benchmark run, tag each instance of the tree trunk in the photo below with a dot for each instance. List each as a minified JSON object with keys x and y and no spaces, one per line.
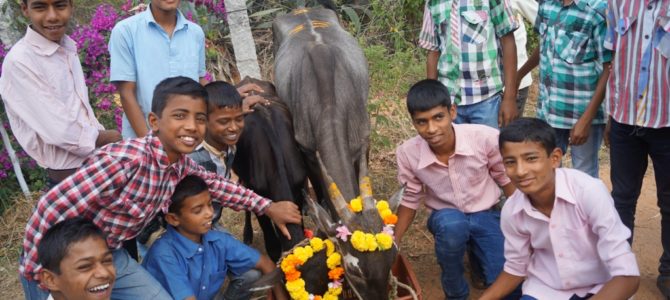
{"x":243,"y":41}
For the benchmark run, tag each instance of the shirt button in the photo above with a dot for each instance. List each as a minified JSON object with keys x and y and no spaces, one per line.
{"x":650,"y":7}
{"x":560,"y":255}
{"x":199,"y":249}
{"x":646,"y":36}
{"x":553,"y":226}
{"x":203,"y":287}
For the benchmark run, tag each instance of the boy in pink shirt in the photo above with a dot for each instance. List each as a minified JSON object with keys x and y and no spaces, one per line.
{"x":562,"y":232}
{"x":457,"y":171}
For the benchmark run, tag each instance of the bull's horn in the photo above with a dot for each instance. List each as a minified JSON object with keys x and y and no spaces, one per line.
{"x":365,"y":185}
{"x":341,"y":206}
{"x":397,"y":196}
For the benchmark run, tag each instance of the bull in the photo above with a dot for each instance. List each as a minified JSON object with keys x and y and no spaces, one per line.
{"x":321,"y":73}
{"x":269,"y":162}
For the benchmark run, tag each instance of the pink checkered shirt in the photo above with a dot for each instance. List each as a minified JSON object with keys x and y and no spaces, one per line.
{"x":121,"y":188}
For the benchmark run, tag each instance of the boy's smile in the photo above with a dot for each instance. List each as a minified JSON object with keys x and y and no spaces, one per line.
{"x":530,"y":168}
{"x":49,"y":18}
{"x":87,"y":271}
{"x":434,"y":126}
{"x":224,"y":127}
{"x":194,"y":217}
{"x":181,"y":126}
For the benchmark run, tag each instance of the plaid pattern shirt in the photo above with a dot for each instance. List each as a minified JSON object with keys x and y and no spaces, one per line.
{"x":471,"y":70}
{"x":572,"y":53}
{"x":638,"y":91}
{"x":121,"y":188}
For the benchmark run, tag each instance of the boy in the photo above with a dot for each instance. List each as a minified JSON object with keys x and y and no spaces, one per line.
{"x":124,"y":185}
{"x":458,"y":172}
{"x":148,"y":47}
{"x":45,"y":95}
{"x":464,"y":39}
{"x":638,"y":104}
{"x":191,"y":260}
{"x":76,"y":263}
{"x":562,"y":233}
{"x":523,"y":9}
{"x":574,"y":66}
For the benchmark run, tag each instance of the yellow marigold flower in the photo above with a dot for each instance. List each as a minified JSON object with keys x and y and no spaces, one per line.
{"x":328,"y":296}
{"x":382,"y":205}
{"x":356,"y":204}
{"x":330,"y":247}
{"x":384,"y":240}
{"x":370,"y":242}
{"x":334,"y":261}
{"x":385,"y":213}
{"x":295,"y":285}
{"x":358,"y":241}
{"x":303,"y":253}
{"x":316,"y":243}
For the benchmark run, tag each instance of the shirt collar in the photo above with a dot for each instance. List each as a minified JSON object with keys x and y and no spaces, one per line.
{"x":581,"y":4}
{"x":156,"y":148}
{"x":561,"y":191}
{"x":44,"y":46}
{"x":186,"y":247}
{"x":427,"y":156}
{"x":181,"y":20}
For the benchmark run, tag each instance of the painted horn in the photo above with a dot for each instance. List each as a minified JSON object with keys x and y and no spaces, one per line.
{"x":336,"y":198}
{"x":394,"y":201}
{"x":365,"y":185}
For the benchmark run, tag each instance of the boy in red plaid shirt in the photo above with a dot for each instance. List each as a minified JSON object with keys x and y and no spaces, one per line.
{"x":123,"y":186}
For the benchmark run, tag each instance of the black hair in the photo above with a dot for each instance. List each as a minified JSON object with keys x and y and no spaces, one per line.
{"x":529,"y":130}
{"x":223,"y":94}
{"x":190,"y":186}
{"x":57,"y":241}
{"x":427,"y":94}
{"x":179,"y":85}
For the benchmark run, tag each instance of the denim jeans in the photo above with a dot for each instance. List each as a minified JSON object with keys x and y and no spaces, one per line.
{"x":132,"y":282}
{"x":630,"y":147}
{"x":485,"y":112}
{"x":585,"y":156}
{"x":453,"y":230}
{"x":238,"y":288}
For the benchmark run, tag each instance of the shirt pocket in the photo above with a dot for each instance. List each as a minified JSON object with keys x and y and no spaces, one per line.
{"x":474,"y":26}
{"x":662,"y":42}
{"x":574,"y":47}
{"x":624,"y":24}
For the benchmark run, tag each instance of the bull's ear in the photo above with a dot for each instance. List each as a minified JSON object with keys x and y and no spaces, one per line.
{"x":267,"y":281}
{"x":320,"y":216}
{"x":394,"y":201}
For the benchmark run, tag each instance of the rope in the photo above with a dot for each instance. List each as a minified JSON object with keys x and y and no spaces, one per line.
{"x":394,"y":288}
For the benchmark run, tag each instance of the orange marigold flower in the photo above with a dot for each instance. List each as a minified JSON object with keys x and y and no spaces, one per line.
{"x":290,"y":276}
{"x":391,"y":219}
{"x":336,"y":273}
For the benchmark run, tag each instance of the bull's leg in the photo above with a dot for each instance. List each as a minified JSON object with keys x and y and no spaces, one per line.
{"x":272,"y":245}
{"x":248,"y":233}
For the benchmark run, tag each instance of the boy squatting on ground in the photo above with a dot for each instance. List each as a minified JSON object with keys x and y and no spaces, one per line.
{"x":124,"y":185}
{"x":574,"y":67}
{"x":562,"y":232}
{"x":45,"y":95}
{"x":76,"y":262}
{"x":191,"y":260}
{"x":464,"y":39}
{"x":457,"y":171}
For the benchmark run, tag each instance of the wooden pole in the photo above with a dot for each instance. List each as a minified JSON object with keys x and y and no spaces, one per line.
{"x":9,"y":36}
{"x":243,"y":41}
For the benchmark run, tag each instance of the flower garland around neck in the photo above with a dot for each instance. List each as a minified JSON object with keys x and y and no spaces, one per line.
{"x":368,"y":242}
{"x":295,"y":285}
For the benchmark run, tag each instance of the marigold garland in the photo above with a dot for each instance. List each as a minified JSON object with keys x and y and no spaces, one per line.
{"x":295,"y":285}
{"x":367,"y":242}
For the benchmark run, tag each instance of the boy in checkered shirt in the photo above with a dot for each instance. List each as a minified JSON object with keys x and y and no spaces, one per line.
{"x":123,"y":186}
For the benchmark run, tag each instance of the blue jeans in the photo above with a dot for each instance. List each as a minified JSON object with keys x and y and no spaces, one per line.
{"x":238,"y":288}
{"x":485,"y":112}
{"x":584,"y":156}
{"x":132,"y":282}
{"x":453,"y":230}
{"x":630,"y":147}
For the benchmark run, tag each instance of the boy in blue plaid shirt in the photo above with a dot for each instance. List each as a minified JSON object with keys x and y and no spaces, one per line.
{"x":464,"y":39}
{"x":574,"y":67}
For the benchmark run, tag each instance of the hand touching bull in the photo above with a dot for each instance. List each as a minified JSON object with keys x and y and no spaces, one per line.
{"x":284,"y":212}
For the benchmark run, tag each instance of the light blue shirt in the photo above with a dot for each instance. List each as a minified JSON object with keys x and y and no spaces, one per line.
{"x":142,"y":52}
{"x":185,"y":268}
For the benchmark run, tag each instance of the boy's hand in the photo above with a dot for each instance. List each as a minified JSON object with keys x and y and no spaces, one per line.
{"x":107,"y":136}
{"x":507,"y":112}
{"x":249,"y":102}
{"x":580,"y":132}
{"x":246,"y":89}
{"x":283,"y":212}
